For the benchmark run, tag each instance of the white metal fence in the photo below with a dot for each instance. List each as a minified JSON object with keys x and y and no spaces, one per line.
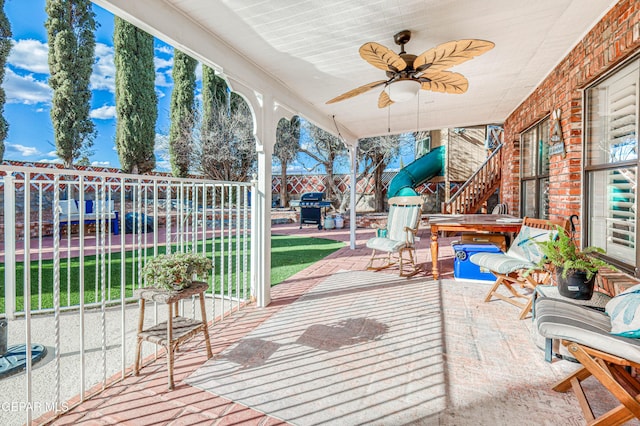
{"x":73,"y":245}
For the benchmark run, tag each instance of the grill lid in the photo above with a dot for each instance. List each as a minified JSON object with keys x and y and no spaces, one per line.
{"x":312,"y":196}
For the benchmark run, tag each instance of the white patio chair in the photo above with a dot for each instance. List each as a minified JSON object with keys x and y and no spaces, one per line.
{"x":499,"y":209}
{"x":397,"y":240}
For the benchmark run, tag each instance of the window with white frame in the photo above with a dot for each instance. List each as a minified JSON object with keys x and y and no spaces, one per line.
{"x":534,"y":170}
{"x":611,"y":164}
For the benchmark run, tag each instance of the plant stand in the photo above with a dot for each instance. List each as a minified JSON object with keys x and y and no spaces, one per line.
{"x":171,"y":333}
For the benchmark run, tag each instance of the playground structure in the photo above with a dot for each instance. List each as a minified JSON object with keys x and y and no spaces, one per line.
{"x":452,"y":157}
{"x":417,"y":172}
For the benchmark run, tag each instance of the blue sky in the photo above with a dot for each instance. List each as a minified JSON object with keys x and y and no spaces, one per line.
{"x":27,"y":109}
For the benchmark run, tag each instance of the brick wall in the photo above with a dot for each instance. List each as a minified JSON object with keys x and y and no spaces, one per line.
{"x":612,"y":40}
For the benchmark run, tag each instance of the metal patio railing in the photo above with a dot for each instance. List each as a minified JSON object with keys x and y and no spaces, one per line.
{"x":69,"y":275}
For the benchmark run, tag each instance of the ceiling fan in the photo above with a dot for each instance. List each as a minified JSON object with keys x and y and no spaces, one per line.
{"x":428,"y":70}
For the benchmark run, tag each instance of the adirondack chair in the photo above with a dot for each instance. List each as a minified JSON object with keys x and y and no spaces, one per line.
{"x":397,"y":240}
{"x":514,"y":268}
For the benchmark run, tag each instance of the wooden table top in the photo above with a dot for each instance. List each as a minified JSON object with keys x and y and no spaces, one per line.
{"x":472,"y":219}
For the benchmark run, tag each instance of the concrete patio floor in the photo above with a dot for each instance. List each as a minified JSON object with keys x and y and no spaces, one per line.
{"x":492,"y":372}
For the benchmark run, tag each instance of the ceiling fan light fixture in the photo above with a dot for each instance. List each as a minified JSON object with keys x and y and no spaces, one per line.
{"x":403,"y":90}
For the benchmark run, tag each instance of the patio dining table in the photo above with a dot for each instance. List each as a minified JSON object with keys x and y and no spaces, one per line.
{"x":467,"y":223}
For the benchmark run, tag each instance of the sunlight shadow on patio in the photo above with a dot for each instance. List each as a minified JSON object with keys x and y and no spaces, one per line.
{"x":360,"y":347}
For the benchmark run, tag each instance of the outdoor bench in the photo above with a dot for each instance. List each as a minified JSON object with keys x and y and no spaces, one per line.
{"x":93,"y":212}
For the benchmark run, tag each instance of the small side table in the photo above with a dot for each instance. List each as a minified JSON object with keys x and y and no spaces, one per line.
{"x":169,"y":334}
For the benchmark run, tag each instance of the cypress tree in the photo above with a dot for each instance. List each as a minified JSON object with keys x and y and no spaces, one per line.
{"x":214,"y":94}
{"x":70,"y":28}
{"x":182,"y":113}
{"x":5,"y":48}
{"x":136,"y":99}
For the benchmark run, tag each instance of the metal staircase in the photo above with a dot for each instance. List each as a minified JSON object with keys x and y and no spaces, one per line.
{"x":478,"y":188}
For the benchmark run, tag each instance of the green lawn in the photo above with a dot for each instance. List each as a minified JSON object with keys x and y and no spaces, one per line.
{"x":290,"y":254}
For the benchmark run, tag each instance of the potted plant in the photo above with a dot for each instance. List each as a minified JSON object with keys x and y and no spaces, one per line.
{"x":575,"y":269}
{"x":175,"y":271}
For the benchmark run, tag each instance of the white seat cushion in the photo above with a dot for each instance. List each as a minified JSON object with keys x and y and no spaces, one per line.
{"x":560,"y":319}
{"x":385,"y":244}
{"x":500,"y":262}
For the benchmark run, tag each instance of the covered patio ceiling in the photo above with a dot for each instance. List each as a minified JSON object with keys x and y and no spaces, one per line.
{"x":306,"y":52}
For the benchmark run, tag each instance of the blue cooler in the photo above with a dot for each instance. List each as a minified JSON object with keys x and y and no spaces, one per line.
{"x":463,"y":269}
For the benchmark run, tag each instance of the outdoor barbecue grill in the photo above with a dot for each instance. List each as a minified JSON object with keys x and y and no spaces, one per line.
{"x":311,"y":204}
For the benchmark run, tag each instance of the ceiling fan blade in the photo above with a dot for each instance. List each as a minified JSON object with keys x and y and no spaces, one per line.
{"x":382,"y":57}
{"x":445,"y":82}
{"x":357,"y":91}
{"x":451,"y":53}
{"x":384,"y":100}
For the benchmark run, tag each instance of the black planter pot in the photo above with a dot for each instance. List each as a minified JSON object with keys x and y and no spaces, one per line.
{"x":575,"y":286}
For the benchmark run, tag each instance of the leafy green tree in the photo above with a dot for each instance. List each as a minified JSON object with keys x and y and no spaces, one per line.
{"x":227,"y":147}
{"x":5,"y":48}
{"x":136,"y":99}
{"x":182,"y":113}
{"x":286,"y":150}
{"x":70,"y":28}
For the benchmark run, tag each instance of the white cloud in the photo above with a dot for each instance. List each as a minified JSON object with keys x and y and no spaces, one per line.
{"x":101,"y":163}
{"x":104,"y":69}
{"x":163,"y":79}
{"x":163,"y":166}
{"x":24,"y":151}
{"x":105,"y":112}
{"x":50,"y":160}
{"x":161,"y":63}
{"x":25,"y":89}
{"x":164,"y":68}
{"x":30,"y":55}
{"x":296,"y":169}
{"x":161,"y":145}
{"x":164,"y":49}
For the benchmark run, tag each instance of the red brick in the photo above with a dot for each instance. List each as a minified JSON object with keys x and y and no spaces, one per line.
{"x":610,"y":41}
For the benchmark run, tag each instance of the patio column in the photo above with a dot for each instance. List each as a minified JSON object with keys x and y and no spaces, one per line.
{"x":265,"y":132}
{"x":353,"y":157}
{"x":262,"y":254}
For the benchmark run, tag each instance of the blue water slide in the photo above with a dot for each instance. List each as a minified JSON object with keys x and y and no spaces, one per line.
{"x":416,"y":173}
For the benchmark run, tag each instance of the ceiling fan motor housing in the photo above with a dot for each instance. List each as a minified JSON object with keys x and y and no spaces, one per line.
{"x":402,"y":38}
